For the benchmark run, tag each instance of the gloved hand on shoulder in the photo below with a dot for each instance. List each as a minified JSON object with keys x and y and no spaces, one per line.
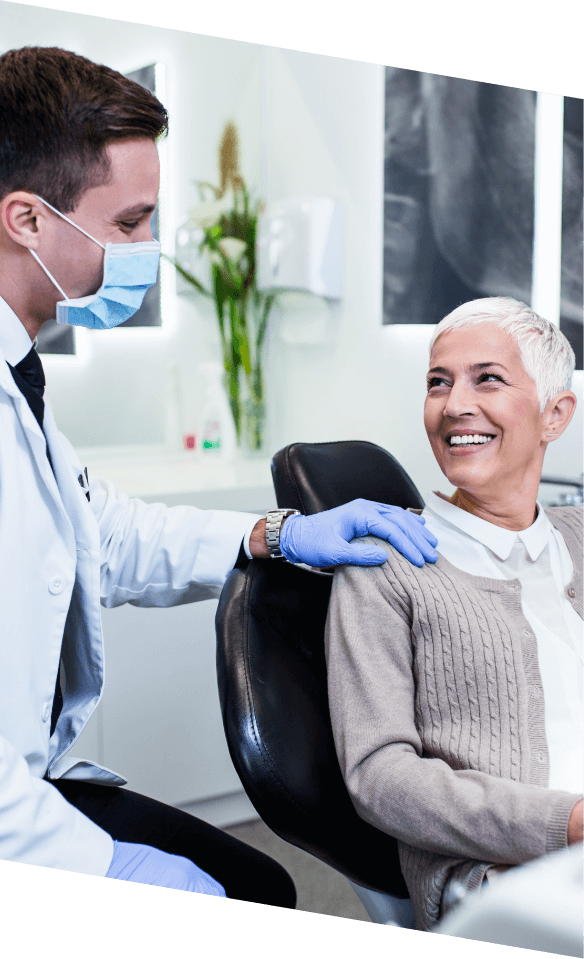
{"x":324,"y":539}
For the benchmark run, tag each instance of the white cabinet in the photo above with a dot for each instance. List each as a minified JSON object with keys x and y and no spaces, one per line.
{"x":159,"y":723}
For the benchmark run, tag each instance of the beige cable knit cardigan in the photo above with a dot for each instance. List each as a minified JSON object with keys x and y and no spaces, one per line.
{"x":438,"y":716}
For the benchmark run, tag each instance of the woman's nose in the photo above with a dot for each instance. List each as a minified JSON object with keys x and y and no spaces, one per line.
{"x":461,"y":399}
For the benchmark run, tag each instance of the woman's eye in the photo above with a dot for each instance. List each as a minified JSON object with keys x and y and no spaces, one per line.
{"x":483,"y":377}
{"x":438,"y":379}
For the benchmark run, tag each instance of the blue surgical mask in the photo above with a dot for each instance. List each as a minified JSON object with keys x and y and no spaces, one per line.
{"x":129,"y":269}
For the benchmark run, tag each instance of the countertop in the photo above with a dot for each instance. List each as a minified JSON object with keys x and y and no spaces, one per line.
{"x":147,"y":471}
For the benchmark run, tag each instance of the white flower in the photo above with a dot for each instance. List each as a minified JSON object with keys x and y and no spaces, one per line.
{"x":209,"y":213}
{"x":232,"y":248}
{"x":213,"y":256}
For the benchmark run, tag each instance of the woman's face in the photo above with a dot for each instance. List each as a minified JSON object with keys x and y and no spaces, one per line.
{"x":478,"y":389}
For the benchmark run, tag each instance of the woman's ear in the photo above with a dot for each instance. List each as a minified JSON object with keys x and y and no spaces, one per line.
{"x":562,"y":411}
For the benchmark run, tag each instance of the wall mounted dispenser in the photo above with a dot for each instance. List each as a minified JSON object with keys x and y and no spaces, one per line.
{"x":300,"y":246}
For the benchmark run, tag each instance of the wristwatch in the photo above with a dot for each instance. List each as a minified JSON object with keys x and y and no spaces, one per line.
{"x":274,"y":520}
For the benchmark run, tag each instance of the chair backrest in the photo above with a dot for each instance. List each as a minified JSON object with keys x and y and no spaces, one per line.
{"x":272,"y":672}
{"x":313,"y":477}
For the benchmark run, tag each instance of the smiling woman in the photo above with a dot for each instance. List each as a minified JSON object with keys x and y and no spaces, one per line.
{"x":456,"y":690}
{"x":478,"y":386}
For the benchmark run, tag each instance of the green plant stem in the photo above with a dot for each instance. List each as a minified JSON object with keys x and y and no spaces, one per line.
{"x":187,"y":276}
{"x":242,"y":310}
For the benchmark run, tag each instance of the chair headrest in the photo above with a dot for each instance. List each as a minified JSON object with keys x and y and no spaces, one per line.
{"x":312,"y":477}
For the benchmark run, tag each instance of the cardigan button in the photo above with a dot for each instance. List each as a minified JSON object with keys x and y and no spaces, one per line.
{"x":571,"y":592}
{"x":540,"y":756}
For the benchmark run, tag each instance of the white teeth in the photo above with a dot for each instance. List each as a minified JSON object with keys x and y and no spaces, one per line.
{"x":470,"y":439}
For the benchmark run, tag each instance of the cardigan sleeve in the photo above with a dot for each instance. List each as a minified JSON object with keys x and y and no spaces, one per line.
{"x":393,"y":783}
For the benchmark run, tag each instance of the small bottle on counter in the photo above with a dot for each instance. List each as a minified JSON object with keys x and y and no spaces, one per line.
{"x":216,"y":427}
{"x":190,"y":441}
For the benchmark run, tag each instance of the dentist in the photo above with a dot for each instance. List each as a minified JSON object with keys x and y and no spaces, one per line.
{"x":79,"y":179}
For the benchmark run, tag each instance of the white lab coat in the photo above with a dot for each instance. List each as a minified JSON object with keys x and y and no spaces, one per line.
{"x":60,"y":555}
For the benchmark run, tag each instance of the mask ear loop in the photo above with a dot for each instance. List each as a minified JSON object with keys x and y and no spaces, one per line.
{"x":77,"y":227}
{"x":50,"y":276}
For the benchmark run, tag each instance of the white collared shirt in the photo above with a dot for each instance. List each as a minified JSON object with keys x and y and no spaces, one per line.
{"x":15,"y":343}
{"x":538,"y":557}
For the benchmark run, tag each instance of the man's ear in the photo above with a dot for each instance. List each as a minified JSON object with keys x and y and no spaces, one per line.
{"x":23,"y":218}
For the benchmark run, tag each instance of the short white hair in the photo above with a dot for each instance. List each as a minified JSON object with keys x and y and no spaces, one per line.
{"x":546,"y":354}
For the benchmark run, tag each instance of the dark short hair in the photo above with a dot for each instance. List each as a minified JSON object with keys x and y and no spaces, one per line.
{"x":58,"y":113}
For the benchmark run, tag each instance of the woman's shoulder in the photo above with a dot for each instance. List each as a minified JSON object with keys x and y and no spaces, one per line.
{"x":568,"y":519}
{"x":372,"y":540}
{"x":375,"y":587}
{"x":396,"y":574}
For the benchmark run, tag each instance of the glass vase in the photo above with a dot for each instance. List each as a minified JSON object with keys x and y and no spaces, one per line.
{"x":188,"y":255}
{"x":253,"y":427}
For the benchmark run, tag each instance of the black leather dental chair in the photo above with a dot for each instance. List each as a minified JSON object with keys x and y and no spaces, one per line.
{"x":272,"y":680}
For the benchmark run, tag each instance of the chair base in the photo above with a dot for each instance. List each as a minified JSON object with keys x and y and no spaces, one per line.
{"x":385,"y":909}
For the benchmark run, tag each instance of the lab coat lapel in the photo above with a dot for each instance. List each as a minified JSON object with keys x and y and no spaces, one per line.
{"x":71,"y":493}
{"x":82,"y":649}
{"x":32,"y":430}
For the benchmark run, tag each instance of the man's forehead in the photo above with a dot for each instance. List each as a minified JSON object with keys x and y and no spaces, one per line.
{"x":134,"y":159}
{"x":131,"y":189}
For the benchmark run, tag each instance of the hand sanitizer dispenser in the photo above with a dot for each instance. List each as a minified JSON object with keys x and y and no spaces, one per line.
{"x":300,"y":246}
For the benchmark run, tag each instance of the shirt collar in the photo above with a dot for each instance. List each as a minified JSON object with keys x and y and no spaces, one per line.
{"x":500,"y":541}
{"x":15,"y":343}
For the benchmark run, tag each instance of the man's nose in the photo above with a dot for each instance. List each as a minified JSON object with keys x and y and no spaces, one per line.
{"x":145,"y":233}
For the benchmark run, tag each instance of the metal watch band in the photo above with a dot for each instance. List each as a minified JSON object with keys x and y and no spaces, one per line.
{"x":274,"y":520}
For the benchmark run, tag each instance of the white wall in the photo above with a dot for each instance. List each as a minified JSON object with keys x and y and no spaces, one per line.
{"x":322,"y":133}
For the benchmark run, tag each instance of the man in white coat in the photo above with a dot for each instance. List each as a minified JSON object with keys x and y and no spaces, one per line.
{"x":79,"y":181}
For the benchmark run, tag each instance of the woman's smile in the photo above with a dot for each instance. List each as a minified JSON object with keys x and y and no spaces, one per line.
{"x":467,"y":449}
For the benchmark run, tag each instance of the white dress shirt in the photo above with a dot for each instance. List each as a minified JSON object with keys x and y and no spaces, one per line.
{"x":15,"y":343}
{"x":538,"y":557}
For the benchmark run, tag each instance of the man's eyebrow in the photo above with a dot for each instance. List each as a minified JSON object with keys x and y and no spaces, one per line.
{"x":475,"y":366}
{"x":135,"y":211}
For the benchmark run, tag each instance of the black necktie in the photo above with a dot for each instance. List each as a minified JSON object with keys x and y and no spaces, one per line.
{"x":29,"y":377}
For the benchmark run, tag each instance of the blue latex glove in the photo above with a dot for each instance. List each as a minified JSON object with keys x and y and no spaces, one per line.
{"x":138,"y":863}
{"x":324,"y":539}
